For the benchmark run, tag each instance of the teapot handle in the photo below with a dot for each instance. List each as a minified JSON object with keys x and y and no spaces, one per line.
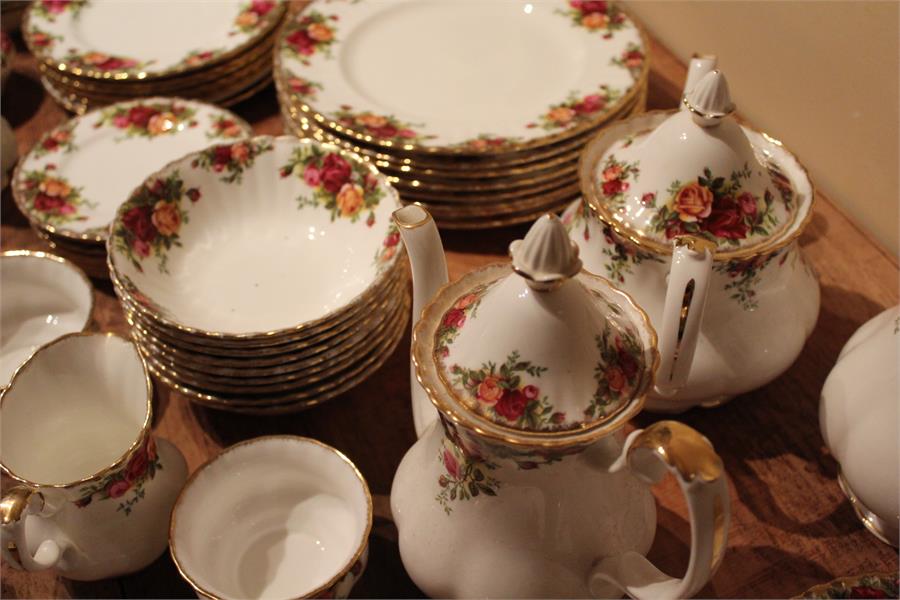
{"x":683,"y":311}
{"x":17,"y":503}
{"x":649,"y":453}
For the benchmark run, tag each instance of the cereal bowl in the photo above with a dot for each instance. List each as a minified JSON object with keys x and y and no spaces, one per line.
{"x":261,"y":238}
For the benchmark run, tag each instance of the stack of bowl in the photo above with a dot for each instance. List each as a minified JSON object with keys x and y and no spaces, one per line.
{"x":71,"y":182}
{"x":262,"y":276}
{"x":96,"y":53}
{"x":483,"y":119}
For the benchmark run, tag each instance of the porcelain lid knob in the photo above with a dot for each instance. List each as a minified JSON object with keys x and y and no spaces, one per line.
{"x":546,"y":257}
{"x":710,"y":100}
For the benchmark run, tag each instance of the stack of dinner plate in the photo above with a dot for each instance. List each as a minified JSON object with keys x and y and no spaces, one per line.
{"x":100,"y":52}
{"x":262,"y":276}
{"x":477,"y":110}
{"x":71,"y":182}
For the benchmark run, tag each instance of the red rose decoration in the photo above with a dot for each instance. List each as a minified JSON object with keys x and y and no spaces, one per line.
{"x":301,"y":42}
{"x":385,"y":132}
{"x":531,"y":392}
{"x":140,"y":115}
{"x":593,"y":6}
{"x":726,"y":221}
{"x":335,"y":172}
{"x":45,"y":203}
{"x":138,"y":221}
{"x":393,"y":240}
{"x":118,"y":488}
{"x":865,"y":591}
{"x":454,"y":318}
{"x":137,"y":466}
{"x":221,"y":157}
{"x":50,"y":144}
{"x":628,"y":365}
{"x":511,"y":406}
{"x":589,"y":104}
{"x":262,"y":7}
{"x":613,"y":187}
{"x":193,"y":194}
{"x":55,"y":6}
{"x":451,"y":464}
{"x":748,"y":204}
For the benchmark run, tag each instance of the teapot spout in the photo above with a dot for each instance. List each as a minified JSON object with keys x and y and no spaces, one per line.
{"x":429,"y":273}
{"x":700,"y":65}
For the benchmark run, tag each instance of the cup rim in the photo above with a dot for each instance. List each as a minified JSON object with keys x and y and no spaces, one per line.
{"x":123,"y":459}
{"x":340,"y":574}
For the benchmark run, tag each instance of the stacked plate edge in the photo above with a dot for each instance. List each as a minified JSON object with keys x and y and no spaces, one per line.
{"x":456,"y":102}
{"x":265,"y":279}
{"x":92,"y":54}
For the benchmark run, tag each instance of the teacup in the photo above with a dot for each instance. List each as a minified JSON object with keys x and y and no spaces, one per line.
{"x":94,"y":490}
{"x":273,"y":517}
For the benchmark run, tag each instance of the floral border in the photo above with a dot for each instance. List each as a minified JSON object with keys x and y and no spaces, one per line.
{"x":232,"y":159}
{"x":383,"y":127}
{"x":465,"y":307}
{"x":595,"y":15}
{"x":147,"y":119}
{"x":61,"y":139}
{"x":466,"y":471}
{"x":576,"y":109}
{"x":105,"y":62}
{"x":252,"y":15}
{"x":140,"y":469}
{"x":389,"y":247}
{"x":49,"y":9}
{"x":52,"y":200}
{"x":619,"y":371}
{"x":632,"y":58}
{"x":310,"y":33}
{"x":616,"y":178}
{"x":224,"y":127}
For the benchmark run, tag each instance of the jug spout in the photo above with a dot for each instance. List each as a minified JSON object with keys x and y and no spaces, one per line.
{"x":700,"y":65}
{"x":429,"y":273}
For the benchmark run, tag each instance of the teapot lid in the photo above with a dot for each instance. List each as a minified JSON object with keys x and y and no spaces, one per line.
{"x":697,"y":174}
{"x":536,"y":347}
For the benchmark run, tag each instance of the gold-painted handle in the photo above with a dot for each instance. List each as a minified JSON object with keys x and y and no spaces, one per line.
{"x":12,"y":509}
{"x":682,"y":448}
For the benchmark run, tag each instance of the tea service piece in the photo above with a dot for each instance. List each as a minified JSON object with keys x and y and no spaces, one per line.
{"x":9,"y":152}
{"x":698,"y":218}
{"x":869,"y":585}
{"x":534,"y":369}
{"x":292,"y":518}
{"x":93,"y":486}
{"x":858,"y":415}
{"x":42,"y":297}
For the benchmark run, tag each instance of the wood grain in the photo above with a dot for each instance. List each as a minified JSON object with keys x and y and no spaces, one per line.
{"x":791,"y":525}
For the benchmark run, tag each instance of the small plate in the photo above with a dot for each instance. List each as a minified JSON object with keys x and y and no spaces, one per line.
{"x":143,"y":40}
{"x":872,"y":585}
{"x":42,"y":297}
{"x":255,"y":239}
{"x":528,"y":73}
{"x":75,"y":177}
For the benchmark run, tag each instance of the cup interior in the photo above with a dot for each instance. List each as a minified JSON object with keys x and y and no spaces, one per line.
{"x":273,"y":517}
{"x":76,"y":407}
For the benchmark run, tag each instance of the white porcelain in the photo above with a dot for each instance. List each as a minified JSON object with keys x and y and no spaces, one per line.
{"x":109,"y":39}
{"x":534,"y":369}
{"x":256,"y":236}
{"x":76,"y":176}
{"x":9,"y":152}
{"x":94,"y":489}
{"x":488,"y":75}
{"x":698,"y":218}
{"x":290,"y":518}
{"x":42,"y":297}
{"x":858,"y":414}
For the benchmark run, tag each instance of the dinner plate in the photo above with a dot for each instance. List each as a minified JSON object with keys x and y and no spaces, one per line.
{"x":141,"y":39}
{"x":76,"y":176}
{"x":561,"y":68}
{"x":256,"y":238}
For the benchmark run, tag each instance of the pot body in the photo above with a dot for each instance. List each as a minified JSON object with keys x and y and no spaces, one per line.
{"x":859,"y":413}
{"x":758,"y":315}
{"x":516,"y":525}
{"x":108,"y":531}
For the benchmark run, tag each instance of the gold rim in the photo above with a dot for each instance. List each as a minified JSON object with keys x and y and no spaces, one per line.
{"x":274,"y":19}
{"x":486,"y":208}
{"x":15,"y":183}
{"x":430,"y":377}
{"x":511,"y":218}
{"x":294,"y":329}
{"x":845,"y":582}
{"x":364,"y":542}
{"x":291,"y":403}
{"x":119,"y":463}
{"x":450,"y":151}
{"x":464,"y":189}
{"x":594,"y":151}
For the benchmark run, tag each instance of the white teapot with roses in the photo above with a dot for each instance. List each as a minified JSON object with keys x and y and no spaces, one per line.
{"x":698,"y":217}
{"x":523,"y":483}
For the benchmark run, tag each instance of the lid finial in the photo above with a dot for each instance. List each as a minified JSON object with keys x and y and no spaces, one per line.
{"x":546,"y":257}
{"x":710,"y":100}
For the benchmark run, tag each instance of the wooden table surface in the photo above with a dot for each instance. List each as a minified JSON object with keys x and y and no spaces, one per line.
{"x":791,"y":525}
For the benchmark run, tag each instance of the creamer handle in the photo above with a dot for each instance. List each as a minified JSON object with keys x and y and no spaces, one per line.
{"x":689,"y":277}
{"x":18,"y":503}
{"x":674,"y":447}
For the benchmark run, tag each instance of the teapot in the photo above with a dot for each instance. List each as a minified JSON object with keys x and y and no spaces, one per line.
{"x":523,"y":482}
{"x":697,"y":218}
{"x":858,"y":415}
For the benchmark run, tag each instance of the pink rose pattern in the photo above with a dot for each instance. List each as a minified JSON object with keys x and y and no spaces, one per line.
{"x":488,"y":142}
{"x":104,"y":63}
{"x":386,"y":128}
{"x":253,"y":15}
{"x":231,"y":159}
{"x":40,"y":39}
{"x":310,"y":32}
{"x":595,"y":15}
{"x":716,"y":208}
{"x":50,"y":199}
{"x":49,"y":9}
{"x":466,"y":472}
{"x":499,"y":393}
{"x":576,"y":110}
{"x":464,"y":308}
{"x":60,"y":140}
{"x":389,"y":248}
{"x":225,"y":127}
{"x":302,"y":89}
{"x":619,"y":371}
{"x":347,"y":189}
{"x":131,"y":477}
{"x":148,"y":119}
{"x":632,"y":58}
{"x":615,"y":179}
{"x":150,"y":221}
{"x":195,"y":58}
